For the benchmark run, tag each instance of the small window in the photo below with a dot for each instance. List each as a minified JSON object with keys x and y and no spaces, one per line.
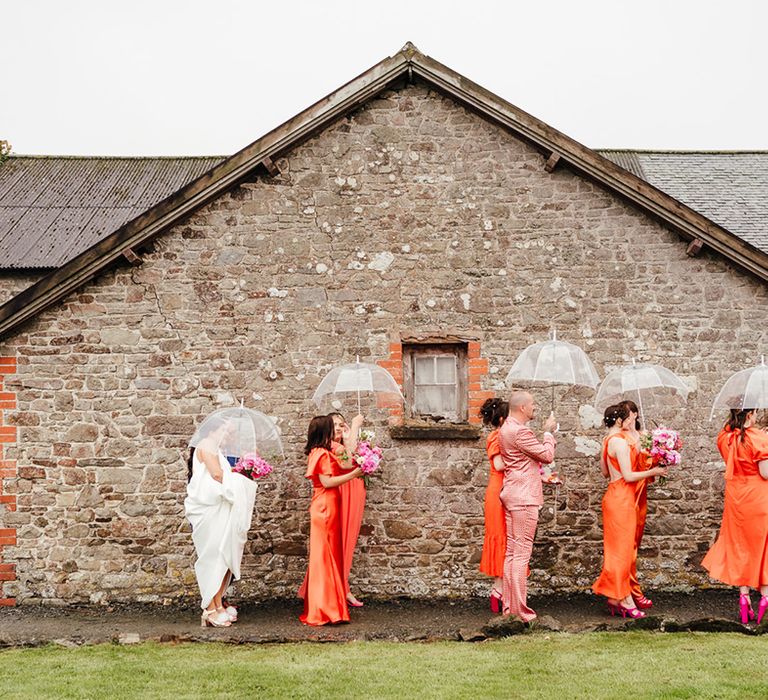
{"x":435,"y":382}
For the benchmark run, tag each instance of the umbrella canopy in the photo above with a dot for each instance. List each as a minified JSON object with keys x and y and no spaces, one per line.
{"x":238,"y":431}
{"x":356,"y":379}
{"x":649,"y":385}
{"x":554,"y":362}
{"x":745,"y":389}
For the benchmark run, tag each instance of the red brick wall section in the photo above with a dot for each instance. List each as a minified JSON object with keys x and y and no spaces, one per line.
{"x":478,"y":367}
{"x":7,"y":471}
{"x":394,"y":365}
{"x":476,"y":370}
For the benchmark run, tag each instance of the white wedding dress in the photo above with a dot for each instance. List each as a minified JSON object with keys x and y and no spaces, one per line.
{"x":220,"y":515}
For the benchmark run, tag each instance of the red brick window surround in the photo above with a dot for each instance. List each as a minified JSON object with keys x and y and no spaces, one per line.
{"x":7,"y":471}
{"x":441,"y":380}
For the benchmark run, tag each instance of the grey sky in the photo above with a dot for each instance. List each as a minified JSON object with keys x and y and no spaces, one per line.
{"x":166,"y":77}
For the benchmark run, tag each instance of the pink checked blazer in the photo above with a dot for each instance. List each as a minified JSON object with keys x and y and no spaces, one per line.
{"x":523,"y":455}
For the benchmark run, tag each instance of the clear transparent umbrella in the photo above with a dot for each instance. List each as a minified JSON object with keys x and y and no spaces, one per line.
{"x":237,"y":431}
{"x":745,"y":389}
{"x":650,"y":386}
{"x":553,"y":362}
{"x":357,"y":379}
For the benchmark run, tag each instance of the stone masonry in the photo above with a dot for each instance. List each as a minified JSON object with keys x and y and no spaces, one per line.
{"x":7,"y":471}
{"x":412,"y":215}
{"x":13,"y":281}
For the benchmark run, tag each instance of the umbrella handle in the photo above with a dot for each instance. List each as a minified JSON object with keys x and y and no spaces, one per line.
{"x":640,"y":407}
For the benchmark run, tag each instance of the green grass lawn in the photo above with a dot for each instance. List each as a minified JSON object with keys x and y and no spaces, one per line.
{"x":609,"y":665}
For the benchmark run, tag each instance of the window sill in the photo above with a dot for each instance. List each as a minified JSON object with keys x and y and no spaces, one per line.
{"x":435,"y":431}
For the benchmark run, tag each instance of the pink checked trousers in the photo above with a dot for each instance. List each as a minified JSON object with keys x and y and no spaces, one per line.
{"x":521,"y":528}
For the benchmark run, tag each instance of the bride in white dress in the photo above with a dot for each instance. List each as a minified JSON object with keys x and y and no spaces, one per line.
{"x":219,"y":506}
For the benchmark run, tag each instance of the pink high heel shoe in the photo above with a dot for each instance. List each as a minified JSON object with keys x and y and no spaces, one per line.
{"x":642,"y":602}
{"x":745,"y":609}
{"x":633,"y":613}
{"x":762,"y":608}
{"x":619,"y":609}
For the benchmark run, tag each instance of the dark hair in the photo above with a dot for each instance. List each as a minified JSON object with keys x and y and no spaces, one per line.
{"x":319,"y":434}
{"x":336,"y":413}
{"x":737,"y":418}
{"x":614,"y":414}
{"x":632,"y":406}
{"x":494,"y":412}
{"x":189,"y":464}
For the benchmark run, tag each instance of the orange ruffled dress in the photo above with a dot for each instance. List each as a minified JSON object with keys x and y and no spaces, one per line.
{"x":495,"y":541}
{"x":739,"y":557}
{"x":324,"y":600}
{"x":619,"y":530}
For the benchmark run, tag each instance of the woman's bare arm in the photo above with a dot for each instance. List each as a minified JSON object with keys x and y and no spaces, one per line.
{"x":349,"y":438}
{"x":211,"y":463}
{"x":621,"y":452}
{"x":330,"y":482}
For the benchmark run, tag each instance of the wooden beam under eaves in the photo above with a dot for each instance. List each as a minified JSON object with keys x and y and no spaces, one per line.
{"x":271,"y":166}
{"x":552,"y":161}
{"x":694,"y":247}
{"x":131,"y":257}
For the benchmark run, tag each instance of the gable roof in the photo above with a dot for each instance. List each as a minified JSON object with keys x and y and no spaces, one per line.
{"x":408,"y":64}
{"x":53,"y":209}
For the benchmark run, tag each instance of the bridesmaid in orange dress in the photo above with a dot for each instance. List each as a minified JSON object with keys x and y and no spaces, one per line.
{"x":739,"y":557}
{"x":641,"y":508}
{"x":620,"y":456}
{"x":324,"y":599}
{"x":352,"y":495}
{"x":494,"y":412}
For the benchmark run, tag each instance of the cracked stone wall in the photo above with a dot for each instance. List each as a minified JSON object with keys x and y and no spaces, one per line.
{"x":410,"y":216}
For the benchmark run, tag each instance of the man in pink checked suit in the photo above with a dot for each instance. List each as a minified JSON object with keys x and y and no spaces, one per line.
{"x":521,"y":495}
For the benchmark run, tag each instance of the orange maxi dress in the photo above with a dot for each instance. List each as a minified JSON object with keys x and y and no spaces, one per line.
{"x":619,"y":530}
{"x":641,"y":509}
{"x":739,"y":557}
{"x":495,"y":541}
{"x":324,"y":600}
{"x":352,"y":507}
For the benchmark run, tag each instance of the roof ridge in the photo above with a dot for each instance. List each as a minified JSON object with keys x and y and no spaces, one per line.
{"x":80,"y":157}
{"x":682,"y":151}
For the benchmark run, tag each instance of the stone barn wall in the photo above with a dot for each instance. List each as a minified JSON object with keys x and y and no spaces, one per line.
{"x":14,"y":281}
{"x":412,"y":216}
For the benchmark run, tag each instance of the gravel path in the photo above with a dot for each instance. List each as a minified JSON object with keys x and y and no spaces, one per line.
{"x":401,"y":620}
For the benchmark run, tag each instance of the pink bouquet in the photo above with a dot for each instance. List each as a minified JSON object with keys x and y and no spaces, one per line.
{"x":252,"y":466}
{"x":367,"y":455}
{"x":662,"y":446}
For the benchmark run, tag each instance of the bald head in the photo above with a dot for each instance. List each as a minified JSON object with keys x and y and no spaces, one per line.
{"x":519,"y":399}
{"x":522,"y":406}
